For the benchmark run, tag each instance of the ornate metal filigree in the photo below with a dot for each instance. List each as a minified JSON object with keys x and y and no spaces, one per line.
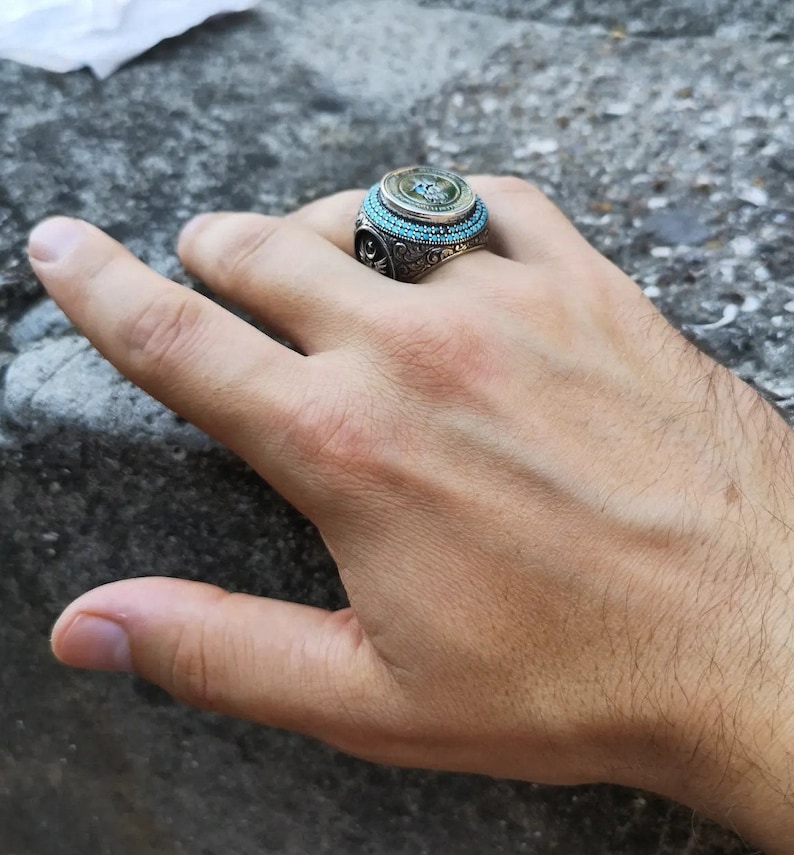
{"x":412,"y":261}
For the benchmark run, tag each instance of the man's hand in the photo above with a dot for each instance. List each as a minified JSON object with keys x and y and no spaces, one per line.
{"x":564,"y":532}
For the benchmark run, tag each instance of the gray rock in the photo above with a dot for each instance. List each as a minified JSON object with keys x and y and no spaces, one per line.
{"x":64,"y":384}
{"x":670,"y":19}
{"x":44,"y":320}
{"x":677,"y":227}
{"x":423,"y":58}
{"x":98,"y":482}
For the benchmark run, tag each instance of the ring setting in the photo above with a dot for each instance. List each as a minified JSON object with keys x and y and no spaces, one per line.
{"x":417,"y":218}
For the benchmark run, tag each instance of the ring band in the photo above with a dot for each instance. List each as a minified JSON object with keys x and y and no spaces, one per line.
{"x":417,"y":218}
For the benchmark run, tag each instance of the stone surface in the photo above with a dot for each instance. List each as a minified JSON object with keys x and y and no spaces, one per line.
{"x":650,"y":18}
{"x":677,"y":228}
{"x":98,"y":482}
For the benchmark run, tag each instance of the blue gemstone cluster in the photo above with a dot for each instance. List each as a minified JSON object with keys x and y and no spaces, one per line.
{"x":418,"y":232}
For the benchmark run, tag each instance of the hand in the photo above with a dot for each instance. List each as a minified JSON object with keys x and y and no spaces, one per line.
{"x":564,"y":532}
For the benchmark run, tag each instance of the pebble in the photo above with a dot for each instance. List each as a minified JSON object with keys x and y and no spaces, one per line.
{"x":781,"y":388}
{"x":704,"y":181}
{"x":539,"y":146}
{"x":677,"y":226}
{"x":743,"y":136}
{"x":753,"y":195}
{"x":729,"y":315}
{"x":618,"y":109}
{"x":743,"y":246}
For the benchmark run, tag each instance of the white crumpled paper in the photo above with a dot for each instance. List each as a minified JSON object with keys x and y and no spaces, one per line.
{"x":61,"y":35}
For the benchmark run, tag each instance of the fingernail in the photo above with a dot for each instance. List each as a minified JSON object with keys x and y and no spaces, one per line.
{"x":96,"y":643}
{"x":53,"y":239}
{"x":192,"y":226}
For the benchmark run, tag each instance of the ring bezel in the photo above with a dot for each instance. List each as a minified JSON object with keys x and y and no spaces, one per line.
{"x":457,"y":203}
{"x":406,"y":247}
{"x":412,"y":229}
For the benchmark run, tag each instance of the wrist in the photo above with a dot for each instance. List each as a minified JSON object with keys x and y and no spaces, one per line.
{"x":736,"y":766}
{"x":725,"y":745}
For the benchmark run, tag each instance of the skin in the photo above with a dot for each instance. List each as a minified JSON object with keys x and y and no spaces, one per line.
{"x":566,"y":535}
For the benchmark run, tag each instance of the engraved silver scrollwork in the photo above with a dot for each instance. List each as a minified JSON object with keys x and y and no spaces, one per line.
{"x":412,"y":261}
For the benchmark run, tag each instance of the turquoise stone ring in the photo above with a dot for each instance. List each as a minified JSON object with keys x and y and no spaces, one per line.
{"x":417,"y":218}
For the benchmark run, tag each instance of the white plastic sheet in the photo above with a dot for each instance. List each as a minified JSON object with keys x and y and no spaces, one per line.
{"x":61,"y":35}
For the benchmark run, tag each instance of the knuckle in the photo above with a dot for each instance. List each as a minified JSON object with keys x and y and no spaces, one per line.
{"x":251,"y":243}
{"x":513,"y":185}
{"x":190,"y":679}
{"x":166,"y":331}
{"x":344,"y":200}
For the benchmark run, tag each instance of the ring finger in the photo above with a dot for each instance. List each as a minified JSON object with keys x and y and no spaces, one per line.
{"x":333,"y":218}
{"x":526,"y":226}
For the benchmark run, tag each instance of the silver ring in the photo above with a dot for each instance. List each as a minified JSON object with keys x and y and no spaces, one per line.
{"x":417,"y":218}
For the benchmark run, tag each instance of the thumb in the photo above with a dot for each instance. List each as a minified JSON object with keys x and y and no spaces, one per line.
{"x":273,"y":662}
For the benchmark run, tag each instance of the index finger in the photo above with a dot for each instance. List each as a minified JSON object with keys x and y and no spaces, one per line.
{"x":203,"y":362}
